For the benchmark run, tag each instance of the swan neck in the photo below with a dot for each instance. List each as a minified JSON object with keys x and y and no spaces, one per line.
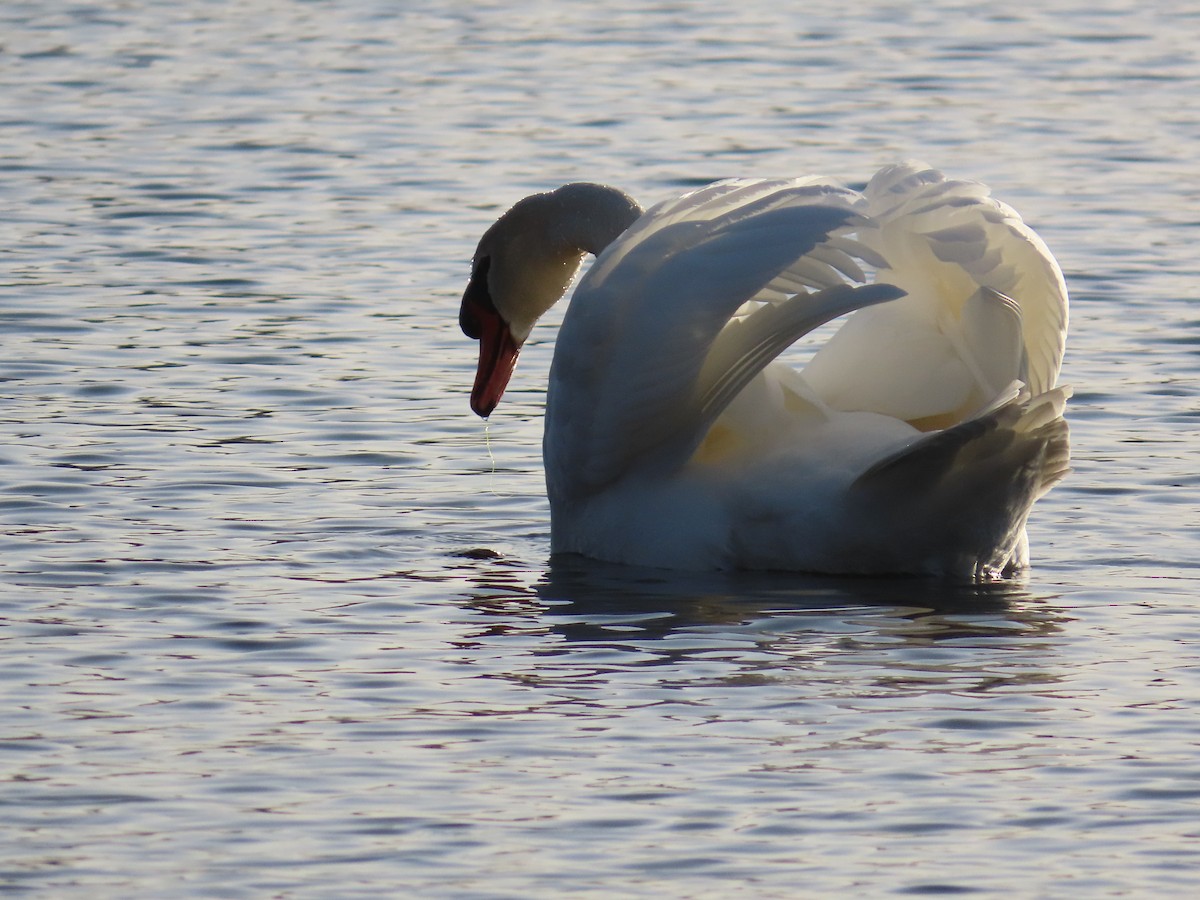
{"x":592,"y":216}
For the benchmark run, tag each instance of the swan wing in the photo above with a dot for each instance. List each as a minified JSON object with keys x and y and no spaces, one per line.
{"x":958,"y":499}
{"x":986,"y":302}
{"x":963,"y":226}
{"x":682,"y":310}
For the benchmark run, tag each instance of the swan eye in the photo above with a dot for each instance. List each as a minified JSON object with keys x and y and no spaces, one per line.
{"x":476,"y":299}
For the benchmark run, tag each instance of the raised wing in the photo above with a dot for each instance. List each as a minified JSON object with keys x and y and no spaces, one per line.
{"x":963,"y":226}
{"x":679,"y":313}
{"x":986,"y":302}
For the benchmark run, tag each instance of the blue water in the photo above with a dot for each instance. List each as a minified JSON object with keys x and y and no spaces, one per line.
{"x":276,"y":615}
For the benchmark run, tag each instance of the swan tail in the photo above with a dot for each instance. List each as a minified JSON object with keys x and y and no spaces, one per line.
{"x":965,"y":493}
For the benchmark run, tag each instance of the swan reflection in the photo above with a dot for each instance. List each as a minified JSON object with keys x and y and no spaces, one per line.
{"x":591,"y":618}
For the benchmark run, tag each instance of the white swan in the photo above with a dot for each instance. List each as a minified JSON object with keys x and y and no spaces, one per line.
{"x":914,"y":441}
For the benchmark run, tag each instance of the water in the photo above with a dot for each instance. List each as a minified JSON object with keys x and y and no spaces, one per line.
{"x":277,"y":615}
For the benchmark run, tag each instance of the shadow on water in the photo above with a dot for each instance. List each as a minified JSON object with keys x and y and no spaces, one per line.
{"x":586,"y":601}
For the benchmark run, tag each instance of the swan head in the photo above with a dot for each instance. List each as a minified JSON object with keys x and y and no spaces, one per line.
{"x":524,"y":264}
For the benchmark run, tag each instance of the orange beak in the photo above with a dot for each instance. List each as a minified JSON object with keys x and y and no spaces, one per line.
{"x":498,"y":350}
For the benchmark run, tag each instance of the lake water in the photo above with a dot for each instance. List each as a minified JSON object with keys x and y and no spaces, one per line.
{"x":276,"y":614}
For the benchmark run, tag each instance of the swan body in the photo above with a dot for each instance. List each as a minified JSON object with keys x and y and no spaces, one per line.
{"x":915,"y":440}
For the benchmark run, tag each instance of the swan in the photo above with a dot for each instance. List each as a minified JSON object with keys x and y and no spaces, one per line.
{"x":915,"y":440}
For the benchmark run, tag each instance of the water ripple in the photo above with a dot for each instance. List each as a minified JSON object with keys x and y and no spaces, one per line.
{"x":276,"y":615}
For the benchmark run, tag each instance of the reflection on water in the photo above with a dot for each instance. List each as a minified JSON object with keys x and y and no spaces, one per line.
{"x":662,"y":601}
{"x":765,"y":626}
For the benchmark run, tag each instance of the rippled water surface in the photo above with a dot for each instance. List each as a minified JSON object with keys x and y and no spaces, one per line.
{"x":276,"y":616}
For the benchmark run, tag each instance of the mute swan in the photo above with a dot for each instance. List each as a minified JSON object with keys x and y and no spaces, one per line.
{"x":914,"y":441}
